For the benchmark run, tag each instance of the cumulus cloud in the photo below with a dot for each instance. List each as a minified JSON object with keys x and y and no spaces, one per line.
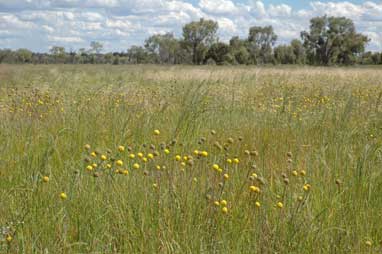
{"x":39,"y":24}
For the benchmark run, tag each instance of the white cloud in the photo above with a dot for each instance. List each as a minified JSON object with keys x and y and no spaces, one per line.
{"x":36,"y":24}
{"x":218,"y":6}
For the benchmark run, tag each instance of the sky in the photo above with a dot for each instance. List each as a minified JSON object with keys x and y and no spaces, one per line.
{"x":118,"y":24}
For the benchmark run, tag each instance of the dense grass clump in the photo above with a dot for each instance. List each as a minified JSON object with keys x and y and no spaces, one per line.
{"x":147,"y":159}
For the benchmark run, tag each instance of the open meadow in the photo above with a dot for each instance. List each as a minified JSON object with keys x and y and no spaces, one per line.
{"x":182,"y":159}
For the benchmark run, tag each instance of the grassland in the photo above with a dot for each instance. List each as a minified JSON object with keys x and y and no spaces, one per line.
{"x":245,"y":160}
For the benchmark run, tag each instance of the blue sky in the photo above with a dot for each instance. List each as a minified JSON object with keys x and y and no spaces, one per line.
{"x":118,"y":24}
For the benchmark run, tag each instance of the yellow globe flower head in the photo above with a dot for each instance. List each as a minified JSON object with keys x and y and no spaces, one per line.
{"x":254,"y":175}
{"x":155,"y":185}
{"x":183,"y":164}
{"x":45,"y":179}
{"x":204,"y":153}
{"x":94,"y":165}
{"x":140,"y":155}
{"x":368,"y":243}
{"x":229,"y":161}
{"x":196,"y":152}
{"x":121,"y":148}
{"x":144,"y":159}
{"x":236,"y":161}
{"x":119,"y":163}
{"x":223,"y":202}
{"x":219,"y":170}
{"x":136,"y":166}
{"x":294,"y":172}
{"x":108,"y":166}
{"x":195,"y":180}
{"x":125,"y":172}
{"x":150,"y":156}
{"x":300,"y":198}
{"x":306,"y":187}
{"x":225,"y":210}
{"x":226,"y":176}
{"x":158,"y":167}
{"x":93,"y":154}
{"x":87,"y":147}
{"x":131,"y":156}
{"x":63,"y":195}
{"x":89,"y":168}
{"x":217,"y":203}
{"x":303,"y":172}
{"x":254,"y":189}
{"x":178,"y":158}
{"x":280,"y":205}
{"x":103,"y":157}
{"x":257,"y":204}
{"x":215,"y":166}
{"x":166,"y":151}
{"x":185,"y":158}
{"x":156,"y":132}
{"x":9,"y":238}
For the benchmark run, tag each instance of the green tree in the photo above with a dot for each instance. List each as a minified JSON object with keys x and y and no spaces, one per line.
{"x":239,"y":50}
{"x":164,"y":48}
{"x":198,"y":36}
{"x":260,"y":43}
{"x":220,"y":53}
{"x":333,"y":40}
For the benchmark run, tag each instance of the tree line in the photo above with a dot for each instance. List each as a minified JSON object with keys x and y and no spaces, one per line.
{"x":329,"y":41}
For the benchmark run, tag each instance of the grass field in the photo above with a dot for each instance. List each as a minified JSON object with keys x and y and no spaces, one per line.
{"x":150,"y":159}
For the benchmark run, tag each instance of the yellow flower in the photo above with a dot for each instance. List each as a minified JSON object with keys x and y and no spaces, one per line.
{"x":254,"y":189}
{"x":306,"y":187}
{"x":108,"y":166}
{"x":368,"y":243}
{"x":121,"y":148}
{"x":303,"y":172}
{"x":195,"y":179}
{"x":150,"y":155}
{"x":155,"y":185}
{"x":178,"y":158}
{"x":294,"y":172}
{"x":136,"y":166}
{"x":185,"y":158}
{"x":204,"y":153}
{"x":223,"y":202}
{"x":215,"y":166}
{"x":257,"y":204}
{"x":217,"y":203}
{"x":166,"y":151}
{"x":119,"y":163}
{"x":103,"y":157}
{"x":125,"y":172}
{"x":144,"y":159}
{"x":156,"y":132}
{"x":63,"y":195}
{"x":183,"y":164}
{"x":89,"y":168}
{"x":226,"y":176}
{"x":132,"y":156}
{"x":225,"y":210}
{"x":9,"y":238}
{"x":93,"y":154}
{"x":229,"y":161}
{"x":280,"y":205}
{"x":87,"y":146}
{"x":140,"y":155}
{"x":94,"y":165}
{"x":254,"y":175}
{"x":236,"y":160}
{"x":45,"y":179}
{"x":300,"y":198}
{"x":157,"y":167}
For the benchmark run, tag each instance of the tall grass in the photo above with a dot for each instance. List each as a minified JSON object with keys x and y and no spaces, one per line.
{"x":325,"y":125}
